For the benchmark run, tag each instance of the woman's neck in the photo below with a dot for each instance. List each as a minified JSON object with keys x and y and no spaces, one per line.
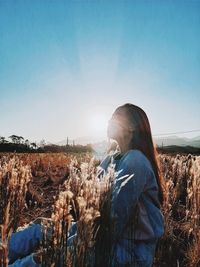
{"x":124,"y":146}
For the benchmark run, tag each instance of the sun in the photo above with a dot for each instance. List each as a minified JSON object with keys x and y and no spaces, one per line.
{"x":98,"y":124}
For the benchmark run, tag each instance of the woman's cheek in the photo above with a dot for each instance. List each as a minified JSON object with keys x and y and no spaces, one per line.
{"x":112,"y":131}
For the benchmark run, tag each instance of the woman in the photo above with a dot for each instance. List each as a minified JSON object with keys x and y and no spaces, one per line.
{"x":137,"y":195}
{"x":138,"y":189}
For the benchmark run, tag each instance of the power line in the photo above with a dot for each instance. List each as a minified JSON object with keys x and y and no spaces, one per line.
{"x":192,"y":131}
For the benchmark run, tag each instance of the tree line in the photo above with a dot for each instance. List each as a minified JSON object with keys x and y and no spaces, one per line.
{"x":20,"y":144}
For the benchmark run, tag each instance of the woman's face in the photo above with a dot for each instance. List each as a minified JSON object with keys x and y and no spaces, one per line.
{"x":114,"y":129}
{"x":117,"y":128}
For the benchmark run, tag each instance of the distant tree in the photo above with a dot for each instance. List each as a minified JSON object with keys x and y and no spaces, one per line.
{"x":33,"y":145}
{"x":27,"y":143}
{"x":3,"y":140}
{"x":20,"y":139}
{"x":16,"y":139}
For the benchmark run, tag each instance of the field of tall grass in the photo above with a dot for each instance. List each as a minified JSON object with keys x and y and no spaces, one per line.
{"x":66,"y":188}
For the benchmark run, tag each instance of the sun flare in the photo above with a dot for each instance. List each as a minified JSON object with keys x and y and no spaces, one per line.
{"x":98,"y":124}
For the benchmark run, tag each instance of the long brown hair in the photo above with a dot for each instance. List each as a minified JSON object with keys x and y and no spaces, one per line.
{"x":142,"y":140}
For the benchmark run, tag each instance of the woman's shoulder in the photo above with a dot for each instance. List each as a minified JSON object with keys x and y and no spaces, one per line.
{"x":135,"y":157}
{"x":131,"y":158}
{"x":134,"y":153}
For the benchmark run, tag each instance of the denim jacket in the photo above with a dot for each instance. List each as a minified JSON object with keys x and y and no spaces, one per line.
{"x":134,"y":194}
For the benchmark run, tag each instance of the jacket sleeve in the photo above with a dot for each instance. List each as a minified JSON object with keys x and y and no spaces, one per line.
{"x":127,"y":188}
{"x":103,"y":166}
{"x":25,"y":262}
{"x":23,"y":242}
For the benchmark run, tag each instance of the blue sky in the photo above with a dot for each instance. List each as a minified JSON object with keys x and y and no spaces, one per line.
{"x":64,"y":65}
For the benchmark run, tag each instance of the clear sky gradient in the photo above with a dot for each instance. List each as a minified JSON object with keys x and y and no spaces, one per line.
{"x":64,"y":65}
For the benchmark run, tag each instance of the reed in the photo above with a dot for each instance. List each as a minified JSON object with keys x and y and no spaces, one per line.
{"x":14,"y":177}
